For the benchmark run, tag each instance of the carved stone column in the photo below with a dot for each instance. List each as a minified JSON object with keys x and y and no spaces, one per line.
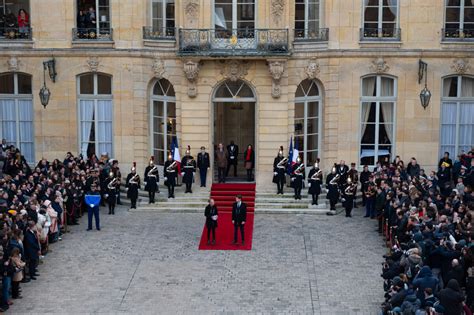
{"x":191,"y":70}
{"x":276,"y":69}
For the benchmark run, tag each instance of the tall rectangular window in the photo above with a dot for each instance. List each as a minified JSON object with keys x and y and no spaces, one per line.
{"x":307,"y":18}
{"x":377,"y":119}
{"x":457,"y":115}
{"x":93,"y":19}
{"x":380,"y":19}
{"x":234,"y":17}
{"x":16,"y":113}
{"x":15,"y":19}
{"x":162,"y":17}
{"x":459,"y":19}
{"x":95,"y":114}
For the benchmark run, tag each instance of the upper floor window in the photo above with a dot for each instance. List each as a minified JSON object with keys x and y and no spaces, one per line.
{"x":457,"y":115}
{"x":308,"y":21}
{"x":16,"y":112}
{"x":459,"y":19}
{"x":235,"y":17}
{"x":15,"y":19}
{"x":93,"y":20}
{"x":380,"y":19}
{"x":377,"y":119}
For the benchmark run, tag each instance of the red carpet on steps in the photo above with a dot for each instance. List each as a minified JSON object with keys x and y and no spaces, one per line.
{"x":224,"y":196}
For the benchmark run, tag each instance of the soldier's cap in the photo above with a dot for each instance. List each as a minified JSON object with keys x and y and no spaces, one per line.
{"x":353,"y":164}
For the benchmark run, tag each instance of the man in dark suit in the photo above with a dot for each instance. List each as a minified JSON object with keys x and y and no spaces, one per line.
{"x":232,"y":157}
{"x":203,"y":163}
{"x":239,"y":216}
{"x":32,"y":249}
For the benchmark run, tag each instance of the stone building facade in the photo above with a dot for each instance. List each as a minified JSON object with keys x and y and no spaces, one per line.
{"x":341,"y":77}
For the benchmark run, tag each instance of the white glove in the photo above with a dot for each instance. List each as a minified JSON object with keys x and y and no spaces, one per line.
{"x":293,"y":179}
{"x":145,"y":183}
{"x":182,"y":173}
{"x":91,"y":205}
{"x":106,"y":195}
{"x":166,"y":178}
{"x":275,"y":173}
{"x":214,"y":217}
{"x":126,"y":189}
{"x":309,"y":184}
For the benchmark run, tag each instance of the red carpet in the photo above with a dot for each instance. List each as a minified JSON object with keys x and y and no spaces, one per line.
{"x":224,"y":196}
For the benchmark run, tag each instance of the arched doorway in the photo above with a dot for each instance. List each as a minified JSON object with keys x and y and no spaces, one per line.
{"x":234,"y":120}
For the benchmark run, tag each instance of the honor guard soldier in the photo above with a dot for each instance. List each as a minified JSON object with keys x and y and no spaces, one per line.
{"x":203,"y":163}
{"x":189,"y":169}
{"x":279,"y":170}
{"x":232,"y":155}
{"x":111,"y":190}
{"x":342,"y":170}
{"x":298,"y":177}
{"x":332,"y":186}
{"x":364,"y":180}
{"x":315,"y":178}
{"x":151,"y":179}
{"x":116,"y":170}
{"x":353,"y":174}
{"x":133,"y":185}
{"x":348,"y":194}
{"x":170,"y":173}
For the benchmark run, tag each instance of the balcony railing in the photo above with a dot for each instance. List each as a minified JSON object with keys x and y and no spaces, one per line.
{"x":160,"y":33}
{"x":16,"y":33}
{"x":380,"y":34}
{"x":457,"y":35}
{"x":92,"y":34}
{"x":316,"y":35}
{"x":237,"y":42}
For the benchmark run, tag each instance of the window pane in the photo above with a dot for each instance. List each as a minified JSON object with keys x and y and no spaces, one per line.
{"x":8,"y":119}
{"x":299,"y":110}
{"x":86,"y":83}
{"x":469,"y":15}
{"x":313,"y":109}
{"x":448,"y":134}
{"x":448,"y":113}
{"x":389,"y":14}
{"x":311,"y":157}
{"x":387,"y":87}
{"x":371,"y":14}
{"x":223,"y":15}
{"x":313,"y":11}
{"x":313,"y":89}
{"x":299,"y":143}
{"x":25,"y":111}
{"x":367,"y":155}
{"x":368,"y":112}
{"x":171,"y":126}
{"x":450,"y":87}
{"x":158,"y":108}
{"x":171,"y":110}
{"x":313,"y":125}
{"x":385,"y":133}
{"x":104,"y":84}
{"x":386,"y":112}
{"x":452,"y":15}
{"x":467,"y":87}
{"x":467,"y":114}
{"x":6,"y":84}
{"x":24,"y":83}
{"x":299,"y":126}
{"x":299,"y":11}
{"x":158,"y":124}
{"x":312,"y":142}
{"x":466,"y":135}
{"x":369,"y":86}
{"x":157,"y":9}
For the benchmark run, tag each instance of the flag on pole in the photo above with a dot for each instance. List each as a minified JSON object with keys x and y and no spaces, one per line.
{"x":296,"y":153}
{"x":290,"y":157}
{"x":175,"y":153}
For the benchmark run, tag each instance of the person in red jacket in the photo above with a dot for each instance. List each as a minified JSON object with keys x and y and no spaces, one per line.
{"x":23,"y":23}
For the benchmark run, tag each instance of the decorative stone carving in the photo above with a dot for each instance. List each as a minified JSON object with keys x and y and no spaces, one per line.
{"x":191,"y":9}
{"x":460,"y":66}
{"x":13,"y":64}
{"x":379,"y":65}
{"x":235,"y":70}
{"x":191,"y":70}
{"x":312,"y":69}
{"x":276,"y":69}
{"x":158,"y":68}
{"x":93,"y":63}
{"x":277,"y":8}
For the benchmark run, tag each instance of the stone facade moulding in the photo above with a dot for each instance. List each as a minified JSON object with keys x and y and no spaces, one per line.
{"x":191,"y":71}
{"x":191,"y":10}
{"x":13,"y":64}
{"x":312,"y":70}
{"x":379,"y":66}
{"x":93,"y":63}
{"x":460,"y":66}
{"x":234,"y":70}
{"x":277,"y":9}
{"x":276,"y":69}
{"x":158,"y":68}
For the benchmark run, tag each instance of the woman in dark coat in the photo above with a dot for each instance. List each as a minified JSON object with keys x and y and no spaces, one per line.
{"x":451,"y":298}
{"x":315,"y":178}
{"x":211,"y":221}
{"x":249,"y":161}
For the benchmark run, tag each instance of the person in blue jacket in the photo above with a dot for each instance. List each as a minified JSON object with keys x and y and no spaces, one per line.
{"x":92,"y":199}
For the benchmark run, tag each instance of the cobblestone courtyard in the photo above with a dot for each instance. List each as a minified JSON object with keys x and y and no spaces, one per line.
{"x":144,"y":262}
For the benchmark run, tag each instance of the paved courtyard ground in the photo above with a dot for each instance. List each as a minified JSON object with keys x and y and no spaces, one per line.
{"x":148,"y":263}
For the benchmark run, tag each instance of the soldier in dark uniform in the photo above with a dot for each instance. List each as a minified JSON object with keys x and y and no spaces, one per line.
{"x":332,"y":185}
{"x":279,"y":170}
{"x":232,"y":157}
{"x":170,"y":174}
{"x":315,"y":178}
{"x":116,"y":170}
{"x":111,"y":192}
{"x":298,"y":177}
{"x":353,"y":174}
{"x":348,"y":194}
{"x":203,"y":163}
{"x":133,"y":185}
{"x":342,"y":169}
{"x":151,"y":178}
{"x":364,"y":179}
{"x":188,"y":165}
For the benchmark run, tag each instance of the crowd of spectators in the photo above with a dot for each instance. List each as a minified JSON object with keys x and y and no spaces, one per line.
{"x":426,"y":219}
{"x":14,"y":26}
{"x":36,"y":204}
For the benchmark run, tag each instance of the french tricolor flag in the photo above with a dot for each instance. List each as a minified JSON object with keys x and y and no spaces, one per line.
{"x":292,"y":156}
{"x":175,"y":154}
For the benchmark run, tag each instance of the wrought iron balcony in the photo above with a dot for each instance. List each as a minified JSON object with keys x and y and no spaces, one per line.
{"x":237,"y":42}
{"x":15,"y":33}
{"x":380,"y":34}
{"x":92,"y":34}
{"x":160,"y":33}
{"x":457,"y":35}
{"x":316,"y":35}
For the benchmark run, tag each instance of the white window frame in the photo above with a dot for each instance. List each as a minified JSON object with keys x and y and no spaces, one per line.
{"x":234,"y":14}
{"x":96,"y":98}
{"x":97,"y":17}
{"x":377,"y":100}
{"x":16,"y":97}
{"x":461,"y":14}
{"x":380,"y":15}
{"x":306,"y":15}
{"x":306,"y":100}
{"x":164,"y":99}
{"x":459,"y":100}
{"x":163,"y":9}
